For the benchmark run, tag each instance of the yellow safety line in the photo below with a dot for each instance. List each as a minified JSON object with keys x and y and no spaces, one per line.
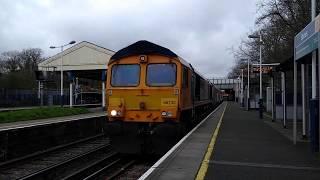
{"x":205,"y":163}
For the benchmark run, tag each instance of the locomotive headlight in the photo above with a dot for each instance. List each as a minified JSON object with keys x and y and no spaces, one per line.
{"x":113,"y":113}
{"x":119,"y":113}
{"x":169,"y":114}
{"x":164,"y":113}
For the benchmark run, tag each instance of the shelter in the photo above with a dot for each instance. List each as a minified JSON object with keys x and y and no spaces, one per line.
{"x":83,"y":60}
{"x":306,"y":43}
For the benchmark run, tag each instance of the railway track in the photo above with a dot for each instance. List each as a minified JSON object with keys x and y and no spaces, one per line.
{"x":58,"y":162}
{"x":90,"y":158}
{"x":133,"y":170}
{"x":111,"y":170}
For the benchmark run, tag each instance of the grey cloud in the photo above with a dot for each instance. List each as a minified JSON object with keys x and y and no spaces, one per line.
{"x":199,"y":31}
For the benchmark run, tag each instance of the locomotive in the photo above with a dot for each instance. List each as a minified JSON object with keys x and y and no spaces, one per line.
{"x":153,"y":98}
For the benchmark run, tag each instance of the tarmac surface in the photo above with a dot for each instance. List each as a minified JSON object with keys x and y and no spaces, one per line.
{"x":247,"y":148}
{"x":234,"y":144}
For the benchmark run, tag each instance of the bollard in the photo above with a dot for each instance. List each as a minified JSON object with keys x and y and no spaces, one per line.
{"x":61,"y":100}
{"x":261,"y":108}
{"x":314,"y":125}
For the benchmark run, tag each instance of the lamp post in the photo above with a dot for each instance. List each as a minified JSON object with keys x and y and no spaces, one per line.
{"x":61,"y":69}
{"x":242,"y":100}
{"x":238,"y":88}
{"x":260,"y":97}
{"x":248,"y":89}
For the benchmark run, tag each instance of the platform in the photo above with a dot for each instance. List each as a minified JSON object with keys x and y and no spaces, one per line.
{"x":243,"y":147}
{"x":183,"y":160}
{"x":42,"y":122}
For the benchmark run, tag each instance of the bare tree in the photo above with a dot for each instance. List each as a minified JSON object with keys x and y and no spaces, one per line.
{"x":11,"y":61}
{"x":278,"y":22}
{"x":2,"y":68}
{"x":17,"y":68}
{"x":30,"y":58}
{"x":26,"y":60}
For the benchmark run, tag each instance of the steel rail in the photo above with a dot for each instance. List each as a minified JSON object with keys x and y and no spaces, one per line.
{"x":96,"y":173}
{"x":50,"y":150}
{"x":57,"y":165}
{"x":123,"y":168}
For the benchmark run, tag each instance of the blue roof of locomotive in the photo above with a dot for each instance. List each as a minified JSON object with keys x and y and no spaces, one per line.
{"x":142,"y":47}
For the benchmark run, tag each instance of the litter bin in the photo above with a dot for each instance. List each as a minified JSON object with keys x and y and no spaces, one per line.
{"x":314,"y":125}
{"x":260,"y":108}
{"x":50,"y":100}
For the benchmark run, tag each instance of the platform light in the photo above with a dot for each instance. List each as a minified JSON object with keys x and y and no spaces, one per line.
{"x":166,"y":113}
{"x":61,"y":69}
{"x":259,"y":36}
{"x":176,"y":92}
{"x":143,"y":58}
{"x":113,"y":113}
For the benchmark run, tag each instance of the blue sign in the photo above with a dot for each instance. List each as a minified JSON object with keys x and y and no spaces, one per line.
{"x":70,"y":75}
{"x":306,"y":40}
{"x":307,"y":46}
{"x":305,"y":34}
{"x":104,"y":75}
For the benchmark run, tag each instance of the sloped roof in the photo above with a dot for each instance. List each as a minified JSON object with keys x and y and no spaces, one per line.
{"x":82,"y":56}
{"x":142,"y":47}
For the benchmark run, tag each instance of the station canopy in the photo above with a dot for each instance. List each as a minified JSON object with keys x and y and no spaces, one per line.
{"x":84,"y":59}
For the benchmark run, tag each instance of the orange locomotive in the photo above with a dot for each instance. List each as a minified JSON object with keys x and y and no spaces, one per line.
{"x":154,"y":97}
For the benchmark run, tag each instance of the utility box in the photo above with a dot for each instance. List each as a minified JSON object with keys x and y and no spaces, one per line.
{"x":50,"y":100}
{"x":269,"y":99}
{"x":314,"y":125}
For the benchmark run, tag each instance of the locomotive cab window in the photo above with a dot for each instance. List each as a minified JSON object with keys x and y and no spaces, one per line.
{"x":125,"y":75}
{"x":161,"y":74}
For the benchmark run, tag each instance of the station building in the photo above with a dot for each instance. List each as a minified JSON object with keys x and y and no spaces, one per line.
{"x":84,"y":67}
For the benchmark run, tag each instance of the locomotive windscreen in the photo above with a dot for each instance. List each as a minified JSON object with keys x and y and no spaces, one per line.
{"x":161,"y":74}
{"x":125,"y":75}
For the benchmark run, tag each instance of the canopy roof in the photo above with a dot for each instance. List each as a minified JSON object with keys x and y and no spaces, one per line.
{"x":82,"y":56}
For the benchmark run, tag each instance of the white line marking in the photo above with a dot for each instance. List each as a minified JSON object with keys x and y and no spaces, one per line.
{"x":31,"y":124}
{"x":164,"y":157}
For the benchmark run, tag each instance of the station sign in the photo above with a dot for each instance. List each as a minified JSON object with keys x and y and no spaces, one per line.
{"x":307,"y":40}
{"x":265,"y":69}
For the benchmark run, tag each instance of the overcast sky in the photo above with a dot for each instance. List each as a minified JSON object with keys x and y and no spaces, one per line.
{"x":200,"y":31}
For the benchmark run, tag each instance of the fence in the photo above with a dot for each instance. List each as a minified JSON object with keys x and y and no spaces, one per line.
{"x":26,"y":97}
